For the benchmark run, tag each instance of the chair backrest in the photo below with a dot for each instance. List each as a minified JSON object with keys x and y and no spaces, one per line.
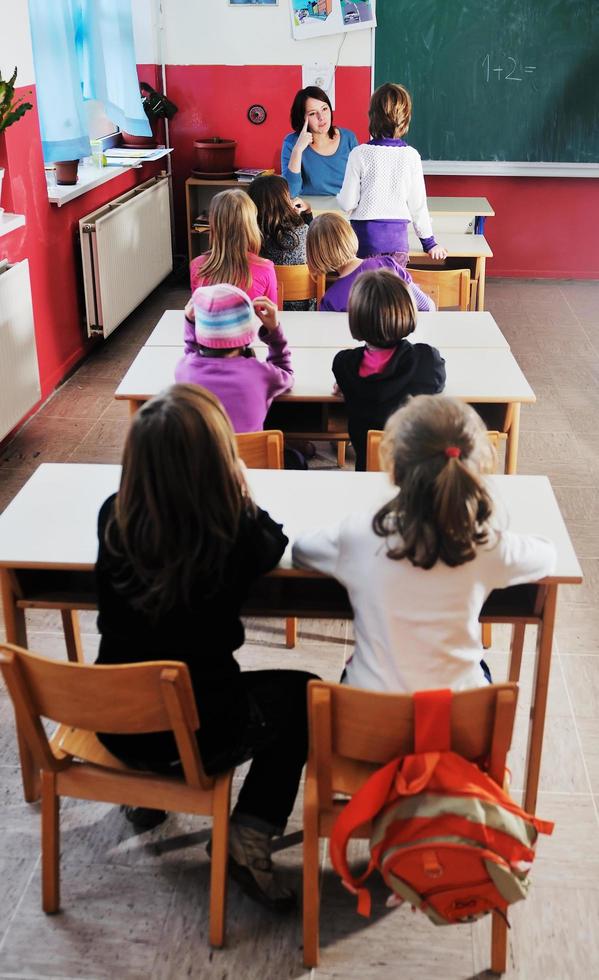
{"x":353,"y":731}
{"x":446,"y":287}
{"x":122,"y":699}
{"x":294,"y":282}
{"x":373,"y":446}
{"x":261,"y":450}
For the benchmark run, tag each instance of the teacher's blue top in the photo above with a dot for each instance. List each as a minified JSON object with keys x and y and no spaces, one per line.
{"x":320,"y":174}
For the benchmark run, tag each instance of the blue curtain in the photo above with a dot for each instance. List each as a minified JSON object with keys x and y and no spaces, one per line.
{"x":83,"y":49}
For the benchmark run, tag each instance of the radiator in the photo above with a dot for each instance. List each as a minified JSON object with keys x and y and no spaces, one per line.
{"x":19,"y":372}
{"x":126,"y":252}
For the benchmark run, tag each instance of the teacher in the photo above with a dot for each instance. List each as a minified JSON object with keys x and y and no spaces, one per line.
{"x":314,"y":156}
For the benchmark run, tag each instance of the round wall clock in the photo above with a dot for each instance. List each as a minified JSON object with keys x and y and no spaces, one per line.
{"x":256,"y":114}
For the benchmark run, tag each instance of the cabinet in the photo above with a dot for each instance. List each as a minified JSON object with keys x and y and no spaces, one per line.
{"x":198,"y":194}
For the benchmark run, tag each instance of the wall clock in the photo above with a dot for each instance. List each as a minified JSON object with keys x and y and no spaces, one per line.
{"x":257,"y":114}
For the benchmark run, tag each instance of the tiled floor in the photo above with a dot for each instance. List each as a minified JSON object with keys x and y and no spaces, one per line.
{"x":135,"y":906}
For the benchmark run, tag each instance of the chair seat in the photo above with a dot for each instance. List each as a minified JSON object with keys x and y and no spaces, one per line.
{"x":87,"y":746}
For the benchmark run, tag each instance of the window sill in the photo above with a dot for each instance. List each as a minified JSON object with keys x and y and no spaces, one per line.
{"x":8,"y":222}
{"x":88,"y":178}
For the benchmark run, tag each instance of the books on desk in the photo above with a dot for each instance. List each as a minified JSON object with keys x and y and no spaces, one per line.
{"x":247,"y":174}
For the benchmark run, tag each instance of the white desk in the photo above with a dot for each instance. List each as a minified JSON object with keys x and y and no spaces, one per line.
{"x":461,"y":214}
{"x":325,"y":329}
{"x":71,"y":495}
{"x":474,"y":374}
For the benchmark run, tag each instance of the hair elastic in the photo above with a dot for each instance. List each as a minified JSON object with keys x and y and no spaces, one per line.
{"x":453,"y":452}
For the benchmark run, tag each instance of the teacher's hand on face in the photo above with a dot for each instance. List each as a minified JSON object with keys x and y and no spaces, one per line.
{"x":305,"y":138}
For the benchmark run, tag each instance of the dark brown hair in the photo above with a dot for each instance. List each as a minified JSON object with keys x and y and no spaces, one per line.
{"x":278,"y":220}
{"x":390,"y":111}
{"x":381,"y":309}
{"x":443,"y":509}
{"x":298,"y":107}
{"x":180,"y":499}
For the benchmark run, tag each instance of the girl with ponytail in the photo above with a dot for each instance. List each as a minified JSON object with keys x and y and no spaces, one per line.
{"x":419,"y":570}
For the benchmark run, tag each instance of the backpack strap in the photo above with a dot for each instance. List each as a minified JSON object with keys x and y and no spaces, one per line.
{"x":432,"y":721}
{"x":362,"y":807}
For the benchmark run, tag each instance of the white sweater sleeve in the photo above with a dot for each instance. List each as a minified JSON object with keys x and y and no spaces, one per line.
{"x":319,"y":549}
{"x":524,"y":558}
{"x":417,"y":205}
{"x":349,"y":195}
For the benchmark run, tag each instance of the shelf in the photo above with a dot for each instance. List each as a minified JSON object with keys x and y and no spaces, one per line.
{"x":91,"y":176}
{"x":8,"y":222}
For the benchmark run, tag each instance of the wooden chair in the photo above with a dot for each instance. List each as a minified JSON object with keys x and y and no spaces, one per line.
{"x":294,"y":283}
{"x":128,"y":698}
{"x":264,"y":451}
{"x":447,"y":287}
{"x":373,"y":464}
{"x":354,"y":732}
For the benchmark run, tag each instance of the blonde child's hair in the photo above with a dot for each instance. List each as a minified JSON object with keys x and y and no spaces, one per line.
{"x":331,"y":242}
{"x":381,"y":309}
{"x":234,"y":232}
{"x":390,"y":111}
{"x":435,"y":450}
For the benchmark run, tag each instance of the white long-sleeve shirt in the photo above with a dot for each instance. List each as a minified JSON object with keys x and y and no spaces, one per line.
{"x":417,"y":629}
{"x":384,"y":181}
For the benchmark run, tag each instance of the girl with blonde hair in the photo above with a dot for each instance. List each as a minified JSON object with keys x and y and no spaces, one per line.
{"x":420,"y":568}
{"x":180,"y":545}
{"x":332,"y":246}
{"x":234,"y":253}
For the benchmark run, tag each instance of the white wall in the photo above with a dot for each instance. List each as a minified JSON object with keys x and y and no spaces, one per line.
{"x":210,"y":32}
{"x":15,"y":42}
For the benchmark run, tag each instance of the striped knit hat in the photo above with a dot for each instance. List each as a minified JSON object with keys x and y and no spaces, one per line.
{"x":224,"y":316}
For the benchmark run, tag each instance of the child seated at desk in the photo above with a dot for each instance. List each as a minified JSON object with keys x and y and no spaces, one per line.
{"x":420,"y":569}
{"x":284,"y":226}
{"x":377,"y":378}
{"x":234,"y":254}
{"x":220,"y":323}
{"x":180,"y":545}
{"x":332,"y":246}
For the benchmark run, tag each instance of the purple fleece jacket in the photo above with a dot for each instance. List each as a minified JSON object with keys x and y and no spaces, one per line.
{"x":245,"y":386}
{"x":336,"y":297}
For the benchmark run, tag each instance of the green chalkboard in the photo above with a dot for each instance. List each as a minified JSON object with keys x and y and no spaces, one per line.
{"x":495,"y":80}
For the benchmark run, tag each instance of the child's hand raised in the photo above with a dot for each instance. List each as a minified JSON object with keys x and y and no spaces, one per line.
{"x":267,"y":312}
{"x":189,"y":312}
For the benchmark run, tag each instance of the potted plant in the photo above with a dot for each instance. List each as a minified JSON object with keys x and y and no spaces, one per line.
{"x":11,"y":109}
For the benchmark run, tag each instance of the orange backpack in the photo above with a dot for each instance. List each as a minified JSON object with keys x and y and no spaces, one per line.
{"x":445,"y":837}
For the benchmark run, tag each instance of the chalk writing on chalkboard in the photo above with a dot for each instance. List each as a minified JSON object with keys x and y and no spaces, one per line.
{"x":513,"y":72}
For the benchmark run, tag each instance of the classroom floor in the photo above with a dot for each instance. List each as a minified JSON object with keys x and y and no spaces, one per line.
{"x":135,"y":905}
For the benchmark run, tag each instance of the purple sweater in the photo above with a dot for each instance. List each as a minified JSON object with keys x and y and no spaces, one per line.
{"x":245,"y":386}
{"x":336,"y":297}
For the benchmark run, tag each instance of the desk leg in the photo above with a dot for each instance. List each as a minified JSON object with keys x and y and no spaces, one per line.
{"x":479,"y":272}
{"x":513,"y":438}
{"x":539,"y":699}
{"x":134,"y":405}
{"x":16,"y":632}
{"x":72,"y":635}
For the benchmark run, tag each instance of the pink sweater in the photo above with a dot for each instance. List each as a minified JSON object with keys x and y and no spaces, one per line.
{"x":262,"y":271}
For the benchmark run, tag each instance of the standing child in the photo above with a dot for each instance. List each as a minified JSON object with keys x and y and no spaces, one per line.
{"x":419,"y":570}
{"x":283,"y":224}
{"x":332,"y":246}
{"x":377,"y":378}
{"x":234,"y":253}
{"x":180,"y":545}
{"x":220,"y":323}
{"x":383,"y":188}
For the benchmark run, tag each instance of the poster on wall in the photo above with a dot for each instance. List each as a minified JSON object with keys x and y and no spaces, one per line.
{"x":314,"y":18}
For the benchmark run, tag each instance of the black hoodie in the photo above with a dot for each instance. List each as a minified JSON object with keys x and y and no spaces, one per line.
{"x":414,"y":369}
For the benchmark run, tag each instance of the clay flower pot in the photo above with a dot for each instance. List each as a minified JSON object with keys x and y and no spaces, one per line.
{"x":215,"y":155}
{"x":66,"y":171}
{"x":137,"y":142}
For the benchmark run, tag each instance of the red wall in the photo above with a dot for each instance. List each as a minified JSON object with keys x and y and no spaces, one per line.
{"x":544,"y":227}
{"x":48,"y":240}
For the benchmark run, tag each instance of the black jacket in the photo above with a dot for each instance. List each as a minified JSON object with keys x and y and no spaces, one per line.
{"x":203,"y":635}
{"x":414,"y":369}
